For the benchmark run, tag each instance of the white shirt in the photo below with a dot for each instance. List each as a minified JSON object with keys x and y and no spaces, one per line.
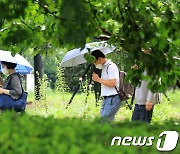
{"x":109,"y":71}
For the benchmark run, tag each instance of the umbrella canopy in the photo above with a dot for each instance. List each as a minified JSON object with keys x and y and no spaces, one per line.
{"x":23,"y":66}
{"x":76,"y":56}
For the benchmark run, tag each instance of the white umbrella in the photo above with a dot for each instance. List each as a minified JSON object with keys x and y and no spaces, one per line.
{"x":23,"y":66}
{"x":76,"y":56}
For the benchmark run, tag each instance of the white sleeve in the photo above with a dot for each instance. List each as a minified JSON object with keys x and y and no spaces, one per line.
{"x":113,"y":72}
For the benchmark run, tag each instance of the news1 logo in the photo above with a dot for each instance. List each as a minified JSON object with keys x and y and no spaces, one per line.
{"x":167,"y":141}
{"x":170,"y":141}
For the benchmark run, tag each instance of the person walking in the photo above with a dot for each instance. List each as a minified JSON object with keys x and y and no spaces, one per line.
{"x":145,"y":101}
{"x":109,"y":80}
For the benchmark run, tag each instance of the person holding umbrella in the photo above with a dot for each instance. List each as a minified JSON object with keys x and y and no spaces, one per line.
{"x":109,"y":80}
{"x":22,"y":65}
{"x":12,"y":94}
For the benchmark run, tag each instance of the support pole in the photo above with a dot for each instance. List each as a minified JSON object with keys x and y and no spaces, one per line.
{"x":83,"y":77}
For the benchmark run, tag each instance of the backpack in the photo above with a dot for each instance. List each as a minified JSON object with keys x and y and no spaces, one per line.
{"x":158,"y":98}
{"x":125,"y":90}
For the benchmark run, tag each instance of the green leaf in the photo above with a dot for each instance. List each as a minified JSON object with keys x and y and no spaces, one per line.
{"x":89,"y":58}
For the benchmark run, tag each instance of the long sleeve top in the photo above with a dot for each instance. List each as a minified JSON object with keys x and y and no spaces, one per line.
{"x":142,"y":94}
{"x":13,"y":84}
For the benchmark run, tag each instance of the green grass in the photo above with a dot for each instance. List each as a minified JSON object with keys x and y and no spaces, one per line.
{"x":55,"y":105}
{"x":174,"y":98}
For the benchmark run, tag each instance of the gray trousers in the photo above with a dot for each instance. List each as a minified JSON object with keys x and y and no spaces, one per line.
{"x":110,"y":107}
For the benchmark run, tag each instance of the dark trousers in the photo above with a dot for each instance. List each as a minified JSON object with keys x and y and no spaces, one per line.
{"x":140,"y":113}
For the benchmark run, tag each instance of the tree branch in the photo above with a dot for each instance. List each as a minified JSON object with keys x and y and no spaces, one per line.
{"x":93,"y":11}
{"x":122,"y":17}
{"x":26,"y":24}
{"x":4,"y":29}
{"x":47,"y":10}
{"x":119,"y":7}
{"x":136,"y":26}
{"x":104,"y":31}
{"x":154,"y":10}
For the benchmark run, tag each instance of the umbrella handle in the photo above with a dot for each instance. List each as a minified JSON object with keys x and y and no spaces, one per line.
{"x":87,"y":69}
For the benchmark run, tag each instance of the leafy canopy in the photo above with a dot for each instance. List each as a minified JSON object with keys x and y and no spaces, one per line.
{"x":145,"y":32}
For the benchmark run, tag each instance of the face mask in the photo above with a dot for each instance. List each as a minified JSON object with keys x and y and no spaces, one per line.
{"x":5,"y":70}
{"x":99,"y":66}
